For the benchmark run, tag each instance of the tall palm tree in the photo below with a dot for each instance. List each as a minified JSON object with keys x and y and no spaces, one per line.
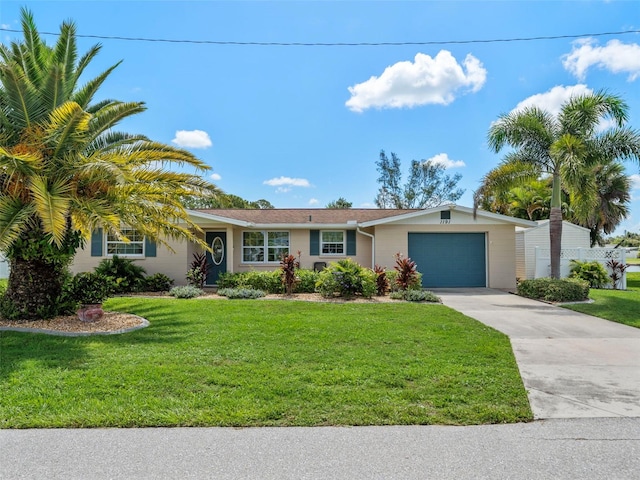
{"x":64,"y":171}
{"x":562,"y":145}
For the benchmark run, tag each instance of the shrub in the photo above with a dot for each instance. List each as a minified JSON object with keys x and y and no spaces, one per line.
{"x":415,"y":296}
{"x":230,"y":279}
{"x":242,"y":293}
{"x":89,"y":288}
{"x":187,"y":291}
{"x":407,"y":277}
{"x":593,"y":273}
{"x":197,"y":274}
{"x":127,"y":276}
{"x":158,"y":282}
{"x":617,"y":272}
{"x":392,"y":275}
{"x":554,"y":290}
{"x":346,"y":279}
{"x":382,"y":282}
{"x":288,"y":266}
{"x":306,"y":281}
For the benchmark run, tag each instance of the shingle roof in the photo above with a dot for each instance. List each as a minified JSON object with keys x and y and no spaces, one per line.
{"x":308,"y":216}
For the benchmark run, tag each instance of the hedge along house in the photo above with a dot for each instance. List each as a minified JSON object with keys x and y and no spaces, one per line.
{"x":451,"y":246}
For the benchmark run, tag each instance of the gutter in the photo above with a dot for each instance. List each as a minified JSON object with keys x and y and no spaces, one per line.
{"x":373,"y":246}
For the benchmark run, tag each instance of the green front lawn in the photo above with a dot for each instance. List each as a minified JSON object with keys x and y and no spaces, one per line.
{"x":256,"y":362}
{"x":622,"y":306}
{"x":633,"y":260}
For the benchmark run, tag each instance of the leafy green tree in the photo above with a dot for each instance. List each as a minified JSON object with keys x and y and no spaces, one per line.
{"x":65,"y":171}
{"x":428,"y":185}
{"x":340,"y":203}
{"x":562,"y":146}
{"x":223,"y":200}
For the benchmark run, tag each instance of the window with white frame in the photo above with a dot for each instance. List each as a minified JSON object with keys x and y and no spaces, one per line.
{"x":134,"y":247}
{"x":332,"y":242}
{"x":264,"y":246}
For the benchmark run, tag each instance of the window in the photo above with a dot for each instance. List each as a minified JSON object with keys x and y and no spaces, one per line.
{"x":332,"y":242}
{"x":267,"y":247}
{"x":135,"y":246}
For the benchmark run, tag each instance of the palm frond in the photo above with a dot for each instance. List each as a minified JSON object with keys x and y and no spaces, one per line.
{"x":14,"y":216}
{"x":84,"y":96}
{"x":51,"y":203}
{"x":67,"y":123}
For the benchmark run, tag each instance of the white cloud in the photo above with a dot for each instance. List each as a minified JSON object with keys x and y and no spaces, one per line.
{"x":444,"y":160}
{"x":286,"y":182}
{"x":215,"y":176}
{"x":425,"y":81}
{"x":5,"y":25}
{"x":552,"y":100}
{"x":192,"y":139}
{"x":635,"y":181}
{"x":615,"y":56}
{"x":314,"y":201}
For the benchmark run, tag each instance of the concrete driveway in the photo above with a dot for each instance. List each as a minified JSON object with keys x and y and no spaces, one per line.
{"x":573,"y":365}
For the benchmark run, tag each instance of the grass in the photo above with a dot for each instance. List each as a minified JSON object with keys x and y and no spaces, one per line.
{"x":622,"y":306}
{"x":633,"y":260}
{"x":257,"y":363}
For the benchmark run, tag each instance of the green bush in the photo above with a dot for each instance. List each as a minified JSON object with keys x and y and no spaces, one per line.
{"x":346,"y":278}
{"x":392,"y":276}
{"x":158,"y":282}
{"x":269,"y":281}
{"x":306,"y":281}
{"x":414,"y":295}
{"x":554,"y":290}
{"x":593,"y":273}
{"x":242,"y":293}
{"x":186,"y":291}
{"x":128,"y":276}
{"x":88,"y":288}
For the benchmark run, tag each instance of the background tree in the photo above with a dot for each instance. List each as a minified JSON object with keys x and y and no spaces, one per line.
{"x":340,"y":203}
{"x":64,"y":171}
{"x":428,"y":185}
{"x":613,"y":193}
{"x":563,"y":146}
{"x":220,"y":199}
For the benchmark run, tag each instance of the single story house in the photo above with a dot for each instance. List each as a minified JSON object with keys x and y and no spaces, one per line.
{"x":574,"y":237}
{"x":451,"y":246}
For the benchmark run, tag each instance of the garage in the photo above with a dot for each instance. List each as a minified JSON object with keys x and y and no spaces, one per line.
{"x":450,"y":259}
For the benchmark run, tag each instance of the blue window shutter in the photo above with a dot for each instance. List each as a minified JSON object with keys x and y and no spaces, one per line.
{"x":149,"y":247}
{"x":351,"y":242}
{"x":96,"y":243}
{"x":314,"y":242}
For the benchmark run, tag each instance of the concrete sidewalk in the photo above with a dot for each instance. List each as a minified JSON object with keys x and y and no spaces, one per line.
{"x":573,"y":365}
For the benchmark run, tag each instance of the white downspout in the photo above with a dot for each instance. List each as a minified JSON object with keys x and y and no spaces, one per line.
{"x":373,"y":246}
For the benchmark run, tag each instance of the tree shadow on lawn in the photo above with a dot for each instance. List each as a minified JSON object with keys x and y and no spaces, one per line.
{"x":67,"y":352}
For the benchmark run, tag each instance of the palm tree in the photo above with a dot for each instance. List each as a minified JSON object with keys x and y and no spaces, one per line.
{"x":64,"y":171}
{"x":562,"y":145}
{"x":613,"y":195}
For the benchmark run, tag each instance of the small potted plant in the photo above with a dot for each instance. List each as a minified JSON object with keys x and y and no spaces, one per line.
{"x":89,"y":290}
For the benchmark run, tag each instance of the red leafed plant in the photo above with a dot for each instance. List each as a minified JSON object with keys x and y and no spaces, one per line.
{"x":288,"y":265}
{"x":382,"y":282}
{"x":407,"y":274}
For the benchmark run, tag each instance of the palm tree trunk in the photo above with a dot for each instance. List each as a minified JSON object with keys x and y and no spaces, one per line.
{"x":555,"y":226}
{"x":33,"y":289}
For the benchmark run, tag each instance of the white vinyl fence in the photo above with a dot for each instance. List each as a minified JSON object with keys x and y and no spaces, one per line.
{"x":4,"y":268}
{"x":601,"y":255}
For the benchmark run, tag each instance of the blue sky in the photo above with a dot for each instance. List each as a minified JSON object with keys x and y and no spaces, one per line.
{"x":301,"y":126}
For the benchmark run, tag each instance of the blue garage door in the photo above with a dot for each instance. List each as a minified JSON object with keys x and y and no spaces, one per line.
{"x":450,"y":259}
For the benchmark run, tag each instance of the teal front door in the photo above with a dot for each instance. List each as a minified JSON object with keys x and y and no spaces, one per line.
{"x":216,"y":260}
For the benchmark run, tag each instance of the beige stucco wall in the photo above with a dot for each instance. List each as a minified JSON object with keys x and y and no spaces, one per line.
{"x":173,"y":264}
{"x":299,"y":241}
{"x":500,"y":241}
